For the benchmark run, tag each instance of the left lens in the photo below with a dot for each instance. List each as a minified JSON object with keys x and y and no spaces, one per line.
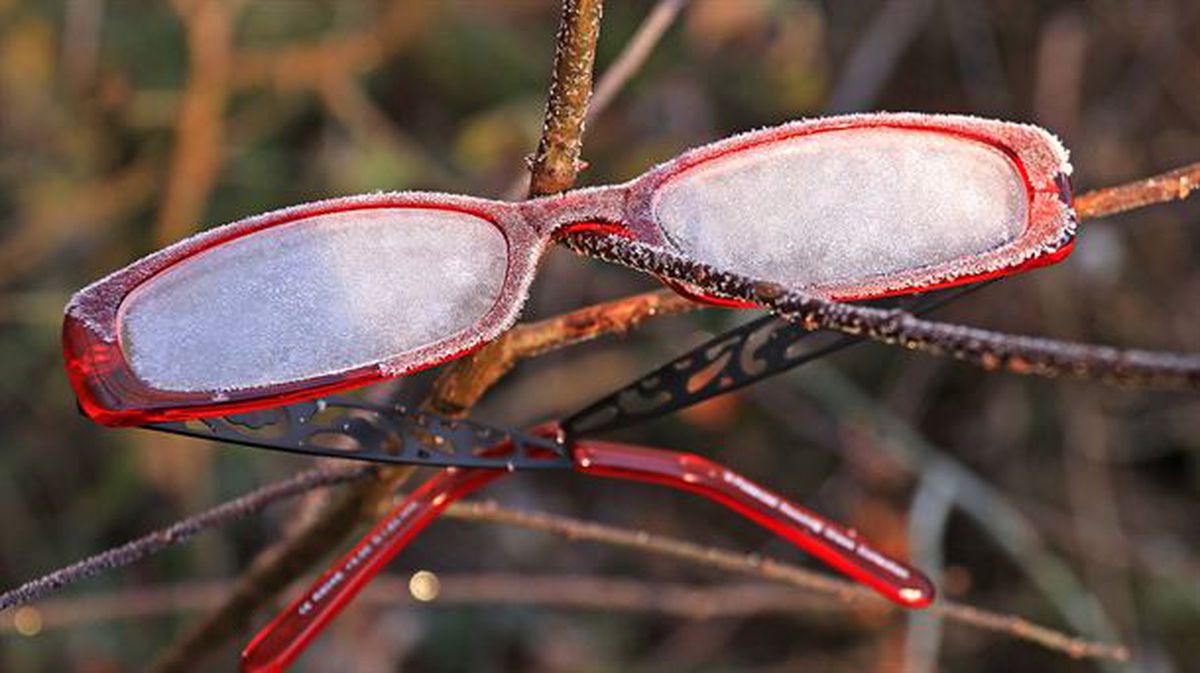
{"x":313,"y":297}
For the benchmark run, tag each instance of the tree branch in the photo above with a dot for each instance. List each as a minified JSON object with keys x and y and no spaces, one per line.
{"x":556,"y":162}
{"x":688,"y":601}
{"x":466,"y":380}
{"x":200,"y":129}
{"x":634,"y":55}
{"x":136,"y":550}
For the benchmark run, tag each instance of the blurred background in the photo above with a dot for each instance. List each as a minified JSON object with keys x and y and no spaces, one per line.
{"x":124,"y":127}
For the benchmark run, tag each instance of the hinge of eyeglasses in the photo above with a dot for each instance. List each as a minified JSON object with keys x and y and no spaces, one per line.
{"x":744,"y":355}
{"x":347,"y":428}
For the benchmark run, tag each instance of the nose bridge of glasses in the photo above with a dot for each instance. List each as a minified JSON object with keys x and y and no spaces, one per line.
{"x":601,"y":206}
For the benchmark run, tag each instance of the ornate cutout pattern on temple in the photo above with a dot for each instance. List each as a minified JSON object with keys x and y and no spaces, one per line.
{"x":737,"y":358}
{"x":346,"y":428}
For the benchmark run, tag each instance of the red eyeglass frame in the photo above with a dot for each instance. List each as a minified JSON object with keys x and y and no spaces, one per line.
{"x":283,"y":639}
{"x":110,"y":392}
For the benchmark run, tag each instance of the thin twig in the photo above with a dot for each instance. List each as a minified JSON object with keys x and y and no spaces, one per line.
{"x":563,"y":591}
{"x":631,"y":59}
{"x":200,"y":130}
{"x":1170,"y":186}
{"x":768,"y":568}
{"x":725,"y":600}
{"x":138,"y":549}
{"x":617,"y":75}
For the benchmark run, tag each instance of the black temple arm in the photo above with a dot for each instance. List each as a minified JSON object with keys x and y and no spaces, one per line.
{"x":347,"y":428}
{"x":735,"y":359}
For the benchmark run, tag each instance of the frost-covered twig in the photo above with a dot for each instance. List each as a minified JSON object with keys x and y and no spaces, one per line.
{"x":727,"y":599}
{"x":989,"y":350}
{"x":136,"y":550}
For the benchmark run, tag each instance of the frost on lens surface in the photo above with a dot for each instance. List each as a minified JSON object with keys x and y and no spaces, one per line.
{"x":317,"y":296}
{"x":844,"y":206}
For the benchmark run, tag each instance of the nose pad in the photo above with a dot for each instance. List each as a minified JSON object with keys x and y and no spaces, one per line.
{"x":596,"y":228}
{"x":699,"y":295}
{"x":1064,"y":187}
{"x":683,"y":289}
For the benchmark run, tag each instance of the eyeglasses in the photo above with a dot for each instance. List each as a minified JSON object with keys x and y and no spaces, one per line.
{"x":303,"y":302}
{"x":285,"y":637}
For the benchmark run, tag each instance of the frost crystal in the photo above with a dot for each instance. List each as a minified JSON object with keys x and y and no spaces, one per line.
{"x":317,"y":296}
{"x":844,"y":206}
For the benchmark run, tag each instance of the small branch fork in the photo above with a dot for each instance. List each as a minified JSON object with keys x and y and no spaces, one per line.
{"x":466,"y":380}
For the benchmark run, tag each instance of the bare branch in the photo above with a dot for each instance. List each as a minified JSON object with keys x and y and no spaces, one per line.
{"x":138,"y":549}
{"x":574,"y":591}
{"x":556,"y":161}
{"x":1170,"y":186}
{"x":200,"y":129}
{"x":563,"y":591}
{"x":986,"y":349}
{"x":628,"y":62}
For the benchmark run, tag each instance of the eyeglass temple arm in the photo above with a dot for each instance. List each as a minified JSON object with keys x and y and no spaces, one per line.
{"x":737,"y":358}
{"x":337,"y":427}
{"x":281,"y":641}
{"x":839,"y":547}
{"x":286,"y":636}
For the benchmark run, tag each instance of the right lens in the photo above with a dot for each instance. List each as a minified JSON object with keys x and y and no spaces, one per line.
{"x":842,"y":207}
{"x":314,"y":297}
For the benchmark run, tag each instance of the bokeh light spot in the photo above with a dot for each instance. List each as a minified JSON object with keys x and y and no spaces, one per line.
{"x":28,"y":621}
{"x":424,"y":586}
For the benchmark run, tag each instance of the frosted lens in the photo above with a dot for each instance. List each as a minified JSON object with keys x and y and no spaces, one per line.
{"x":318,"y":296}
{"x":845,"y":206}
